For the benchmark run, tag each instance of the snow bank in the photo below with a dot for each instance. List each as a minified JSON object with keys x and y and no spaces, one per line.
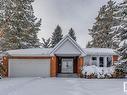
{"x":99,"y":72}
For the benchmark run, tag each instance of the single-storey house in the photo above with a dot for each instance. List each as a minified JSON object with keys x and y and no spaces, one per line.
{"x":67,"y":57}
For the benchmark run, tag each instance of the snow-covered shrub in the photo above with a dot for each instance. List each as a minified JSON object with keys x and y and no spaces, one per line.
{"x":120,"y":70}
{"x":98,"y":72}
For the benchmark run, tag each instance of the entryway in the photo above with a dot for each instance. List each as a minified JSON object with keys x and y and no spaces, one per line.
{"x":67,"y":66}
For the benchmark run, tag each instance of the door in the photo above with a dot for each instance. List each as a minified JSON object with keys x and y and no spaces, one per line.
{"x":29,"y":67}
{"x":67,"y":65}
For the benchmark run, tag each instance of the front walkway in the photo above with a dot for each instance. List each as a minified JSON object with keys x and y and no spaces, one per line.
{"x":61,"y":86}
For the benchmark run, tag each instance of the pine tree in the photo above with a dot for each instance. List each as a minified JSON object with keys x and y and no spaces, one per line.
{"x":46,"y":43}
{"x":72,"y":34}
{"x":120,"y":37}
{"x":100,"y":32}
{"x":121,"y":31}
{"x":56,"y":36}
{"x":20,"y":26}
{"x":2,"y":6}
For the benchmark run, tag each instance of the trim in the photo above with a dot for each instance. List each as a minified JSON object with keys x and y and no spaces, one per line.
{"x":29,"y":57}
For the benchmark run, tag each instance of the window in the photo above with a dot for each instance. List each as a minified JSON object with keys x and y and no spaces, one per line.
{"x":94,"y":61}
{"x":109,"y":61}
{"x":94,"y":58}
{"x":101,"y":62}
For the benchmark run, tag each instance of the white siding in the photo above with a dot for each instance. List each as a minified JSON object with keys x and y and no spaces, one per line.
{"x":68,"y":48}
{"x":29,"y":67}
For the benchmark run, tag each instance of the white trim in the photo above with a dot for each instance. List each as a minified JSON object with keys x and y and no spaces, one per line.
{"x":105,"y":61}
{"x":98,"y":61}
{"x":67,"y":37}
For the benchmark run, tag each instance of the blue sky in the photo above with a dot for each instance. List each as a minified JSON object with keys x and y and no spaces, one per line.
{"x":78,"y":14}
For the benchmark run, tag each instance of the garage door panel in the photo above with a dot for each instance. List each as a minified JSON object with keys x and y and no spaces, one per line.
{"x":29,"y":67}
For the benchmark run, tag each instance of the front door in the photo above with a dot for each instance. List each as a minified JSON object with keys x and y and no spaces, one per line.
{"x":67,"y":65}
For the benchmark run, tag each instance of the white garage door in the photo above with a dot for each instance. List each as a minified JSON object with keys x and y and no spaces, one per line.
{"x":29,"y":67}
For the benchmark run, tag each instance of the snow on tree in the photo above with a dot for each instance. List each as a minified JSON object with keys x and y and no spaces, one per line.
{"x":20,"y":26}
{"x":120,"y":37}
{"x":46,"y":42}
{"x":100,"y":32}
{"x":122,"y":32}
{"x":72,"y":34}
{"x":56,"y":36}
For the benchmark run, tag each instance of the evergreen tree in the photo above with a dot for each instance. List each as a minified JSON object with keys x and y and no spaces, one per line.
{"x":72,"y":34}
{"x":2,"y":6}
{"x":101,"y":30}
{"x":120,"y":36}
{"x":121,"y":31}
{"x":20,"y":26}
{"x":46,"y":43}
{"x":56,"y":36}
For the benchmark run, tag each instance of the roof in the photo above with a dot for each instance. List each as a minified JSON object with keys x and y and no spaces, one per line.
{"x":51,"y":51}
{"x":46,"y":51}
{"x":100,"y":51}
{"x":30,"y":52}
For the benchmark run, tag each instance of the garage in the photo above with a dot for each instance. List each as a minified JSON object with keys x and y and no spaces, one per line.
{"x":29,"y":67}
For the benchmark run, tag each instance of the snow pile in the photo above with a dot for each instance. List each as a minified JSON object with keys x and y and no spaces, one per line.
{"x":98,"y":72}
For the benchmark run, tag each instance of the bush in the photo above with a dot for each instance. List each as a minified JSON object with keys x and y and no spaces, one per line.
{"x":120,"y":70}
{"x":98,"y":72}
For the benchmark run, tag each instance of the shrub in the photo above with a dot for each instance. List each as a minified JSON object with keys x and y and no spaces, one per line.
{"x":120,"y":70}
{"x":98,"y":72}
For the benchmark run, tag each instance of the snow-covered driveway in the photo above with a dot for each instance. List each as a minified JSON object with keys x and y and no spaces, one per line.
{"x":61,"y":86}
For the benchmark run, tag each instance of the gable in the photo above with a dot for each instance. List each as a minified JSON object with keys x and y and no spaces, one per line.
{"x":67,"y":46}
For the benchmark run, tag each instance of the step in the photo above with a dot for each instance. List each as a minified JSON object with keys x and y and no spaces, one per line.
{"x":67,"y":75}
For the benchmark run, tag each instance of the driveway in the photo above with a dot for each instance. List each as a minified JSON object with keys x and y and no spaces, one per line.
{"x":61,"y":86}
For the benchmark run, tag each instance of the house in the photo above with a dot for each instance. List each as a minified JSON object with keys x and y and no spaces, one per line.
{"x":67,"y":57}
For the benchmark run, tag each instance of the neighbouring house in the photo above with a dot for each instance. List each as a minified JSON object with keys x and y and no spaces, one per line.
{"x":67,"y":57}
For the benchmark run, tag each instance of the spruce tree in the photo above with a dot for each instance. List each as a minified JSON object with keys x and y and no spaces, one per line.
{"x":46,"y":43}
{"x":101,"y":30}
{"x":120,"y":35}
{"x":2,"y":6}
{"x":72,"y":34}
{"x":56,"y":36}
{"x":121,"y":31}
{"x":20,"y":25}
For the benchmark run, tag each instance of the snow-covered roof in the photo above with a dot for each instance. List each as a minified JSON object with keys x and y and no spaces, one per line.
{"x":30,"y":52}
{"x":46,"y":51}
{"x":99,"y":51}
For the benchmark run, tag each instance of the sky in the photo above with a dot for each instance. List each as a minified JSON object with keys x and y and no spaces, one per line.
{"x":77,"y":14}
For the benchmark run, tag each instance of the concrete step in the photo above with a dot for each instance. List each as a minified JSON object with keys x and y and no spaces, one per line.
{"x":67,"y":75}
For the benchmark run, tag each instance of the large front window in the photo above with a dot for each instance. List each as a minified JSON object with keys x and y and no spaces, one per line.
{"x":109,"y":61}
{"x":94,"y":61}
{"x":101,"y":61}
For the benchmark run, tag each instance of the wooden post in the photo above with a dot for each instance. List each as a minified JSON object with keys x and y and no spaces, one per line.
{"x":114,"y":58}
{"x":53,"y":68}
{"x":80,"y":65}
{"x":5,"y":64}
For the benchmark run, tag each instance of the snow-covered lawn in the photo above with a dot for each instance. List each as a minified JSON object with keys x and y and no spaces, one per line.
{"x":61,"y":86}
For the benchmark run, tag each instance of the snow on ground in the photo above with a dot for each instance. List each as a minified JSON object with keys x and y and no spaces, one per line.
{"x":61,"y":86}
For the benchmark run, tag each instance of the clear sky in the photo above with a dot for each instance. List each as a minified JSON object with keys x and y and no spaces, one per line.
{"x":78,"y":14}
